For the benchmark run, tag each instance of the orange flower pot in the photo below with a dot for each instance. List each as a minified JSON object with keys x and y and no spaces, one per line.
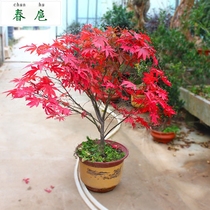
{"x":102,"y":176}
{"x":162,"y":137}
{"x":135,"y":104}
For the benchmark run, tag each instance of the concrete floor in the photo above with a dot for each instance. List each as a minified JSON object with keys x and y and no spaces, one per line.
{"x":42,"y":150}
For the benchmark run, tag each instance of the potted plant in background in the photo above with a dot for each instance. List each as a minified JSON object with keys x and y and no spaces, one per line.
{"x":166,"y":135}
{"x":92,"y":63}
{"x":135,"y":75}
{"x":166,"y":130}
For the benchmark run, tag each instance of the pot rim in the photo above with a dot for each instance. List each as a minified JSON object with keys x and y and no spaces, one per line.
{"x":161,"y":132}
{"x":111,"y":163}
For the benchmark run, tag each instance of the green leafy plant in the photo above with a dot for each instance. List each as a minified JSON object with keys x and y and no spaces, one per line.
{"x":201,"y":90}
{"x":118,"y":17}
{"x":136,"y":74}
{"x":198,"y":22}
{"x":180,"y":60}
{"x":13,"y":42}
{"x":172,"y":128}
{"x":92,"y":151}
{"x":73,"y":28}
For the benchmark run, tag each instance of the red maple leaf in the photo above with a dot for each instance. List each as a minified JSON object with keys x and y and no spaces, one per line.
{"x":48,"y":190}
{"x":43,"y":49}
{"x":31,"y":48}
{"x":26,"y":180}
{"x":33,"y":101}
{"x":100,"y":42}
{"x":128,"y":84}
{"x":143,"y":53}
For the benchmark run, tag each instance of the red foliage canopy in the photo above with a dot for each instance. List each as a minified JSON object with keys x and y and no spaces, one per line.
{"x":93,"y":62}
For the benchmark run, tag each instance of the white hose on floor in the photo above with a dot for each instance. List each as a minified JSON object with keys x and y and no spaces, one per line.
{"x":80,"y":190}
{"x":92,"y":203}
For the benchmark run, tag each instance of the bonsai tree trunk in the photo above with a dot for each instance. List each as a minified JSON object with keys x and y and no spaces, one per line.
{"x":140,"y":7}
{"x":182,"y":12}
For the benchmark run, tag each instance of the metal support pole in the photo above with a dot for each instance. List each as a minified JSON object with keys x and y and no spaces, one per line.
{"x":88,"y":4}
{"x":77,"y":10}
{"x":96,"y":15}
{"x":66,"y":14}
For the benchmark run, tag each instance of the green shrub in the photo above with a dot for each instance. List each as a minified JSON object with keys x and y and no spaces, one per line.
{"x":118,"y":17}
{"x":73,"y":28}
{"x":199,"y":23}
{"x":179,"y":58}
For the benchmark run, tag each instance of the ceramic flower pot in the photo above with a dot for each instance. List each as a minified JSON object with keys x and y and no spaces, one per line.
{"x":162,"y":137}
{"x":135,"y":104}
{"x":102,"y":176}
{"x":137,"y":100}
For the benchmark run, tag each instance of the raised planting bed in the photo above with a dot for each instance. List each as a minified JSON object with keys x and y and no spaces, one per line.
{"x":196,"y":105}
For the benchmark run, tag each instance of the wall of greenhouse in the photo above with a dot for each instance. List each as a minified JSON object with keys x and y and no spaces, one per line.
{"x":90,"y":11}
{"x":83,"y":11}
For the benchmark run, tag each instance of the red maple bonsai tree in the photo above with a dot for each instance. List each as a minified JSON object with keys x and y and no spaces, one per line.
{"x":94,"y":62}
